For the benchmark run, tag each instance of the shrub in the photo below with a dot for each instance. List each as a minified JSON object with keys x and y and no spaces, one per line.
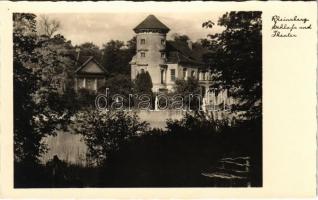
{"x":85,"y":98}
{"x":105,"y":132}
{"x":143,"y":83}
{"x":177,"y":157}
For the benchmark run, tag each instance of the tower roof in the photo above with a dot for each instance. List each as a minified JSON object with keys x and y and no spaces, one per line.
{"x":151,"y":22}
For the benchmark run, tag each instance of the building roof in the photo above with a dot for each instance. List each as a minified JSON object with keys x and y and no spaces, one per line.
{"x":180,"y":52}
{"x":84,"y":60}
{"x":151,"y":22}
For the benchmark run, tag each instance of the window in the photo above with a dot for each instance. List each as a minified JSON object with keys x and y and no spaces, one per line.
{"x":193,"y":74}
{"x":162,"y":75}
{"x":184,"y":73}
{"x":173,"y":74}
{"x":142,"y":41}
{"x":163,"y":55}
{"x":142,"y":71}
{"x":143,"y":54}
{"x":162,"y":41}
{"x":202,"y":76}
{"x":90,"y":82}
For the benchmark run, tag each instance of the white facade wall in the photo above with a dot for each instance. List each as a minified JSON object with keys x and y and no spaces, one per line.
{"x":150,"y":56}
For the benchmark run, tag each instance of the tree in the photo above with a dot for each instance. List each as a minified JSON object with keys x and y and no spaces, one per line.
{"x":57,"y":62}
{"x":105,"y":132}
{"x":132,"y":46}
{"x":25,"y":84}
{"x":180,"y":38}
{"x":188,"y":89}
{"x":143,"y":83}
{"x":90,"y":49}
{"x":237,"y":55}
{"x":85,"y":99}
{"x":112,"y":59}
{"x":119,"y":84}
{"x":48,"y":26}
{"x":178,"y":156}
{"x":89,"y":46}
{"x":38,"y":110}
{"x":116,"y":55}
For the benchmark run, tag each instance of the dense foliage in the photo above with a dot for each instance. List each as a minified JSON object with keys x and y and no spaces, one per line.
{"x":38,"y":108}
{"x":237,"y":55}
{"x":105,"y":132}
{"x":143,"y":83}
{"x":189,"y":90}
{"x":178,"y":157}
{"x":116,"y":56}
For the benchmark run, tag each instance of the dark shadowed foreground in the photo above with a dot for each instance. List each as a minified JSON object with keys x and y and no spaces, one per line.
{"x":193,"y":152}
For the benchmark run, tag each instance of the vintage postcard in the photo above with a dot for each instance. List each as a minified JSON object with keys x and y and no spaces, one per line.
{"x":158,"y":100}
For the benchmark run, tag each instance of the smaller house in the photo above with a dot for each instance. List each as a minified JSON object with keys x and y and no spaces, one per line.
{"x":90,"y":75}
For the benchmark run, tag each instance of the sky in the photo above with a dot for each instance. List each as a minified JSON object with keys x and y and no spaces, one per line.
{"x":102,"y":27}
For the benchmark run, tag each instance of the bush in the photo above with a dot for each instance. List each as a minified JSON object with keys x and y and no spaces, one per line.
{"x":143,"y":83}
{"x":118,"y":85}
{"x":85,"y":98}
{"x":186,"y":88}
{"x":178,"y":156}
{"x":105,"y":132}
{"x":54,"y":174}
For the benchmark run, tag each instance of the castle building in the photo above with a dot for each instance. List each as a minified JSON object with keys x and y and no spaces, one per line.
{"x":166,"y":61}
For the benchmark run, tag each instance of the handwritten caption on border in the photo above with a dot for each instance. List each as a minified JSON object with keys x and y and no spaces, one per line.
{"x":289,"y":26}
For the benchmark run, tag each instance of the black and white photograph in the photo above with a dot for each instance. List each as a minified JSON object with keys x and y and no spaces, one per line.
{"x":137,"y":99}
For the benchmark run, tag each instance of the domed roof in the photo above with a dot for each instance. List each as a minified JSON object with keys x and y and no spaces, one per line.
{"x":151,"y":22}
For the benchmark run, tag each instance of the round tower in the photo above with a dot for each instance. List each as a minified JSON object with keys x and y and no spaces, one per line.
{"x":150,"y":51}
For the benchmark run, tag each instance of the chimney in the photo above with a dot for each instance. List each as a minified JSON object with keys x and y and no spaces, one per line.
{"x":189,"y":44}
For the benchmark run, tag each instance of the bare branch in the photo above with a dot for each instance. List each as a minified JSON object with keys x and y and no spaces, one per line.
{"x":48,"y":26}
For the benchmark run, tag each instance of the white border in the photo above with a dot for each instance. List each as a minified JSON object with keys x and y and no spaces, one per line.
{"x":289,"y":101}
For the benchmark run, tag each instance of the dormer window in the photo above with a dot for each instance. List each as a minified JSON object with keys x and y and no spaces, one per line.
{"x":142,"y":41}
